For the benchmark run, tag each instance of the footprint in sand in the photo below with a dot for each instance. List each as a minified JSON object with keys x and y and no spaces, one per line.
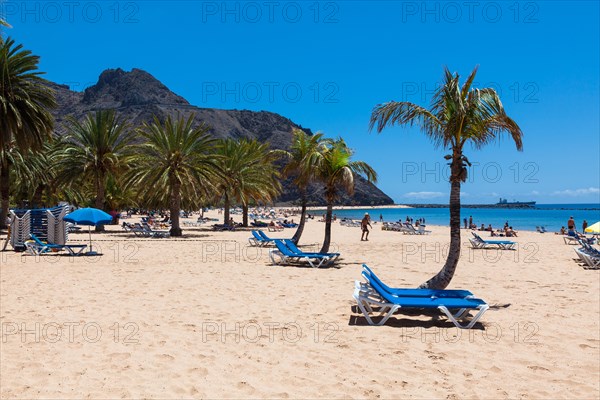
{"x":537,"y":368}
{"x":165,"y":357}
{"x":246,"y":387}
{"x":119,"y":356}
{"x":586,"y":346}
{"x":198,"y":371}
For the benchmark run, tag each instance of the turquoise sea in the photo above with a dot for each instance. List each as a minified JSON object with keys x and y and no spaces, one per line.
{"x":551,"y":216}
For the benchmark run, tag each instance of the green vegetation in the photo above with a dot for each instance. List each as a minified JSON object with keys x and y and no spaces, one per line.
{"x":175,"y":164}
{"x":457,"y":116}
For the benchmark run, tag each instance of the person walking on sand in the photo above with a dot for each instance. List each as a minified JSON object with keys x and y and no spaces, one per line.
{"x":380,"y":217}
{"x":583,"y":226}
{"x":365,"y":224}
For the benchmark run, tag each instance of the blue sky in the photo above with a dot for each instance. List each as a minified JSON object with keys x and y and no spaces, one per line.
{"x":326,"y":64}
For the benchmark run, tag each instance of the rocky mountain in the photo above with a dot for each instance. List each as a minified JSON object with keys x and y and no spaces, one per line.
{"x":138,"y":96}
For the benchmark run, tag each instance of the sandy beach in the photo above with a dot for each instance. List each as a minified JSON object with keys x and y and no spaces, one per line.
{"x":206,"y":316}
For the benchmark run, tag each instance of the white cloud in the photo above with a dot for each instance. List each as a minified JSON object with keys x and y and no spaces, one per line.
{"x":423,"y":195}
{"x":493,"y":194}
{"x":577,"y":192}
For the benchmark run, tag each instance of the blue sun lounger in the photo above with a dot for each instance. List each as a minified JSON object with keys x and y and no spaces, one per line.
{"x":36,"y":247}
{"x":292,"y":246}
{"x":478,"y":243}
{"x":268,"y":239}
{"x":369,"y":276}
{"x":286,"y":256}
{"x":388,"y":304}
{"x":257,"y":240}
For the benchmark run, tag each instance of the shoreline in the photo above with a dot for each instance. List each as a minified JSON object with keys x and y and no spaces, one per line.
{"x":389,"y":206}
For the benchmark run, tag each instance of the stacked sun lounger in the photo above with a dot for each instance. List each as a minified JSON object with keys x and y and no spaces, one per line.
{"x":574,"y":237}
{"x":375,"y":299}
{"x":589,"y":255}
{"x":144,"y":230}
{"x":287,"y":253}
{"x":396,"y":226}
{"x":349,"y":222}
{"x":478,"y":243}
{"x":153,"y":232}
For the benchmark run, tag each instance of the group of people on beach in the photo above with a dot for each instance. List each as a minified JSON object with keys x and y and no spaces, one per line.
{"x":507,"y":230}
{"x":571,"y":228}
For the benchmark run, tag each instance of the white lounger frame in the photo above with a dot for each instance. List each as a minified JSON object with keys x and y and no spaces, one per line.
{"x":314,"y":262}
{"x":482,"y":244}
{"x":365,"y":299}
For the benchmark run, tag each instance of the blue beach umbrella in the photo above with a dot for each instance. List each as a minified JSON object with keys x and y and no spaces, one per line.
{"x":90,"y":217}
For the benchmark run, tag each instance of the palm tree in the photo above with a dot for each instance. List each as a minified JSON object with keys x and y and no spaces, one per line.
{"x":176,"y":162}
{"x":30,"y":173}
{"x":249,"y":174}
{"x":336,"y":169}
{"x":25,"y":104}
{"x":4,"y":24}
{"x":94,"y":150}
{"x":458,"y":115}
{"x":305,"y":154}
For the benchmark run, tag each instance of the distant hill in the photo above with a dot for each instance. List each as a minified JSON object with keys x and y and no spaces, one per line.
{"x":138,"y":96}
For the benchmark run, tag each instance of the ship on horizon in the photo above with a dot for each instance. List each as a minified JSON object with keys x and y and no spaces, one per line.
{"x":506,"y":203}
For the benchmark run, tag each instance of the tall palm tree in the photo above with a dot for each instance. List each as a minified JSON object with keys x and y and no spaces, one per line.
{"x":94,"y":150}
{"x":176,"y":162}
{"x":30,"y":173}
{"x":249,"y":173}
{"x":336,"y":170}
{"x":457,"y":116}
{"x":25,"y":104}
{"x":304,"y":156}
{"x":5,"y":24}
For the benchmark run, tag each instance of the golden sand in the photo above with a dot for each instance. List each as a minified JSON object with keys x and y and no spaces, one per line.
{"x":206,"y":316}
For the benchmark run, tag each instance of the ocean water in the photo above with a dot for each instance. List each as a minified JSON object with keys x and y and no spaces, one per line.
{"x":551,"y":216}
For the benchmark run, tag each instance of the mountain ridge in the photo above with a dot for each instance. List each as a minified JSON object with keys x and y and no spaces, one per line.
{"x":138,"y":96}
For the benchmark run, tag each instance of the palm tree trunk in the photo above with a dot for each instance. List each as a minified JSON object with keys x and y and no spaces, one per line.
{"x":226,"y":209}
{"x":245,"y":214}
{"x":99,"y":203}
{"x":327,"y":241}
{"x":443,"y":278}
{"x":300,"y":229}
{"x":175,"y":207}
{"x":4,"y":194}
{"x":36,"y":201}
